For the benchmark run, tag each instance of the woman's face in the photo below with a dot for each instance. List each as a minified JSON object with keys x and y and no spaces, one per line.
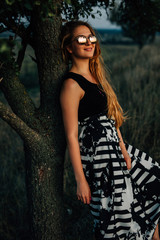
{"x":85,"y":51}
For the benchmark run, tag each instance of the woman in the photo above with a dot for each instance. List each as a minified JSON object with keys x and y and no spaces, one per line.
{"x":117,"y":180}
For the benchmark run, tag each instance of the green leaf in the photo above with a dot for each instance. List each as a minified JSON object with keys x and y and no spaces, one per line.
{"x":4,"y":48}
{"x":10,"y":2}
{"x":68,"y":1}
{"x":50,"y":14}
{"x":38,"y":3}
{"x":28,"y":6}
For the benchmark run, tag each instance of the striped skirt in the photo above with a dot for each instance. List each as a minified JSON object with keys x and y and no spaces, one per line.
{"x":125,"y":203}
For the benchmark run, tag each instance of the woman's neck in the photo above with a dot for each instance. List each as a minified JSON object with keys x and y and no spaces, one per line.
{"x":81,"y":66}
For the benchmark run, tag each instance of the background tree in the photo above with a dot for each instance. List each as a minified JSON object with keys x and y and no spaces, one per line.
{"x":139,"y":19}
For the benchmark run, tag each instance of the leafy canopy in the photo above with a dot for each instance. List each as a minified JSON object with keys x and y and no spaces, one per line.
{"x":139,"y":19}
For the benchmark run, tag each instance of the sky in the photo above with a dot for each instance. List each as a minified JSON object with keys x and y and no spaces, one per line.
{"x":101,"y":21}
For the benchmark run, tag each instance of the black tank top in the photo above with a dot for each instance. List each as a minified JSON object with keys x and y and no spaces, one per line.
{"x":94,"y":100}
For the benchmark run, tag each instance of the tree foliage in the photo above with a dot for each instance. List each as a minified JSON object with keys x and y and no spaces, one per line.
{"x":139,"y":19}
{"x":74,"y":9}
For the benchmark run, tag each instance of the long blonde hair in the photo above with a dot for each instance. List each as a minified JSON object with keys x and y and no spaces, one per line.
{"x":97,"y":70}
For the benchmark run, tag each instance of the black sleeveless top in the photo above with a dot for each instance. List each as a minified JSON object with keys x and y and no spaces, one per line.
{"x":94,"y":100}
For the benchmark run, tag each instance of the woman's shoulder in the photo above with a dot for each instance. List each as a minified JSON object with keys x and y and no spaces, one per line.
{"x":73,"y":76}
{"x":72,"y":79}
{"x":70,"y":83}
{"x":71,"y":90}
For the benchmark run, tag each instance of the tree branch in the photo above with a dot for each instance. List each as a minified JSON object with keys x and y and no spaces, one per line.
{"x":25,"y":132}
{"x":18,"y":29}
{"x":16,"y":95}
{"x":14,"y":91}
{"x":21,"y":53}
{"x":31,"y":138}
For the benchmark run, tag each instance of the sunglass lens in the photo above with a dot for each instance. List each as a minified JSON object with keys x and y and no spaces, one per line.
{"x":93,"y":39}
{"x":81,"y":40}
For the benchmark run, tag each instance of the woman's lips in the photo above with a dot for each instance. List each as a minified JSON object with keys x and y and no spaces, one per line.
{"x":88,"y":49}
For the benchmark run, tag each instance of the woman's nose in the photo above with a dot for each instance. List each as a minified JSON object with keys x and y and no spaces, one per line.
{"x":88,"y":42}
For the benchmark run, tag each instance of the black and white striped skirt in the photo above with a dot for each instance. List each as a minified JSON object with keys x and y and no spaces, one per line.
{"x":125,"y":203}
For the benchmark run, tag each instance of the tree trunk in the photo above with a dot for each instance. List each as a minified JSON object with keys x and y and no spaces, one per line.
{"x":41,"y":129}
{"x":44,"y":163}
{"x":44,"y":178}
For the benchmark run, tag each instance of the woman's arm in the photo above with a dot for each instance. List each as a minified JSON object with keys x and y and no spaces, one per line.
{"x":123,"y":149}
{"x":71,"y":94}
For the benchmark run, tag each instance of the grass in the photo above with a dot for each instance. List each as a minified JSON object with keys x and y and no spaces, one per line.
{"x":136,"y":79}
{"x":13,"y":202}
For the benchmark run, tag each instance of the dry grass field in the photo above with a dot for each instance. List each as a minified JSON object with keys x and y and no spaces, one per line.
{"x":136,"y":75}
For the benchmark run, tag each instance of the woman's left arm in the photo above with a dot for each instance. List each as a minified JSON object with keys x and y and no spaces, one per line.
{"x":123,"y":149}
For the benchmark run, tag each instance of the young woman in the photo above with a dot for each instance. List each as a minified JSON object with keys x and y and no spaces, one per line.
{"x":121,"y":183}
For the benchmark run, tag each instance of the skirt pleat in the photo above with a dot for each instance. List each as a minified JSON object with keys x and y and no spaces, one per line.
{"x":125,"y":203}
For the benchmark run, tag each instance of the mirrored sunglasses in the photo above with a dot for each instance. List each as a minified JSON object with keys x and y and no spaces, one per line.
{"x":83,"y":39}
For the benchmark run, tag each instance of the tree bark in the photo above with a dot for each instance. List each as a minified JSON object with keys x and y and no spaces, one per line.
{"x":44,"y":163}
{"x":44,"y":178}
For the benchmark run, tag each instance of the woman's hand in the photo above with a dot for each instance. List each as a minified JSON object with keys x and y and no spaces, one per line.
{"x":83,"y":192}
{"x":124,"y":151}
{"x":128,"y":162}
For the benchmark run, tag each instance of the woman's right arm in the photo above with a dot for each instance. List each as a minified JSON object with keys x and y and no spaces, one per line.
{"x":71,"y":94}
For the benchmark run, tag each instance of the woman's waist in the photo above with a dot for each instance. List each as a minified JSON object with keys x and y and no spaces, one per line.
{"x":90,"y":119}
{"x":98,"y":127}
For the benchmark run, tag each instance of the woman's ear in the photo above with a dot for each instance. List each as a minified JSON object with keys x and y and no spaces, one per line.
{"x":69,"y":49}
